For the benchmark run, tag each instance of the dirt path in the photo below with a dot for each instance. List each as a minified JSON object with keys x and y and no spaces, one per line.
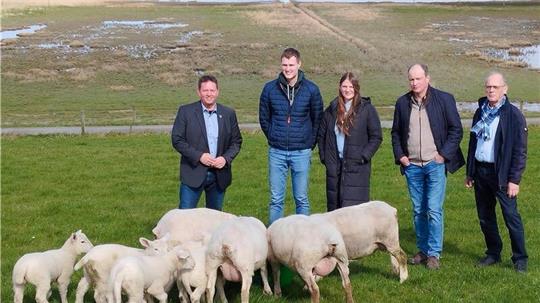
{"x":361,"y":44}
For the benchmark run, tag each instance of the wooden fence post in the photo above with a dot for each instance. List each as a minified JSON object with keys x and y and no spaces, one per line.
{"x":83,"y":123}
{"x":134,"y":117}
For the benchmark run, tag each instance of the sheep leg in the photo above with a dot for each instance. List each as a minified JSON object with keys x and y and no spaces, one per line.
{"x":211,"y":284}
{"x":264,"y":276}
{"x":41,"y":292}
{"x":196,"y":295}
{"x":63,"y":284}
{"x":276,"y":276}
{"x":343,"y":268}
{"x":246,"y":285}
{"x":313,"y":288}
{"x":221,"y":289}
{"x":18,"y":293}
{"x":82,"y":288}
{"x":182,"y":294}
{"x":100,"y":292}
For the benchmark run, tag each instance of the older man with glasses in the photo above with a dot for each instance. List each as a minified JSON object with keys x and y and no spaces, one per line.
{"x":495,"y":164}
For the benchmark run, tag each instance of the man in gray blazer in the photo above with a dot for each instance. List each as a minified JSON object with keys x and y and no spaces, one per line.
{"x":207,"y":136}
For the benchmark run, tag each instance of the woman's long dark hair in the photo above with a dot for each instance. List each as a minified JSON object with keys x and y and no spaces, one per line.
{"x":344,"y":119}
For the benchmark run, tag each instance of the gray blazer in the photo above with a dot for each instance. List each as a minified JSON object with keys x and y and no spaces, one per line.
{"x":189,"y":139}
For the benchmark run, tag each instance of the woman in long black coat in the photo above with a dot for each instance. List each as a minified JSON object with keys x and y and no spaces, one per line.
{"x":349,"y":135}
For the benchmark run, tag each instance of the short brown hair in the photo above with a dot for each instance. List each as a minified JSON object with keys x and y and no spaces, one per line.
{"x":207,"y":78}
{"x":422,"y":66}
{"x":291,"y":52}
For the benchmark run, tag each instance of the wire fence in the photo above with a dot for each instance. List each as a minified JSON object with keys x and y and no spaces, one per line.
{"x":165,"y":116}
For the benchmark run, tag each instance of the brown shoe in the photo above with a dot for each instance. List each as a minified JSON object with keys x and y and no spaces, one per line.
{"x":433,"y":263}
{"x":419,"y":258}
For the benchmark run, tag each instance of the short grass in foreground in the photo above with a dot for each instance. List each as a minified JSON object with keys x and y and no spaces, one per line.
{"x":116,"y":187}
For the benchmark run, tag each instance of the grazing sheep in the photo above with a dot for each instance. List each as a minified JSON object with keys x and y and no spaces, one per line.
{"x":368,"y":227}
{"x":239,"y":246}
{"x":310,"y":246}
{"x":186,"y":225}
{"x":153,"y":275}
{"x":42,"y":268}
{"x":97,"y":264}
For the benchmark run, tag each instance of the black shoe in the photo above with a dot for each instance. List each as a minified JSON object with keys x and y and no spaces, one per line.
{"x":521,"y":266}
{"x":487,"y":261}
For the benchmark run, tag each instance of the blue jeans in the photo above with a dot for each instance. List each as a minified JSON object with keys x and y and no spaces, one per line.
{"x":189,"y":196}
{"x":427,"y":187}
{"x":279,"y":163}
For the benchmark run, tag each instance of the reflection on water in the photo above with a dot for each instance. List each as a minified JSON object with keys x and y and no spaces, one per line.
{"x":142,"y":24}
{"x":12,"y":34}
{"x":529,"y":55}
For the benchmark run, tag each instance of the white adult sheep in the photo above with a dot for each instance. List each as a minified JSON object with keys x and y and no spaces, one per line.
{"x":153,"y":275}
{"x":310,"y":246}
{"x":239,"y":246}
{"x":42,"y":268}
{"x":184,"y":225}
{"x":368,"y":227}
{"x":98,"y":262}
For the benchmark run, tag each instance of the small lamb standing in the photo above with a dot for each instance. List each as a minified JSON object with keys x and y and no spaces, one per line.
{"x":196,"y":277}
{"x":184,"y":225}
{"x":239,"y":246}
{"x":368,"y":227}
{"x":42,"y":268}
{"x":153,"y":275}
{"x":98,"y":262}
{"x":310,"y":246}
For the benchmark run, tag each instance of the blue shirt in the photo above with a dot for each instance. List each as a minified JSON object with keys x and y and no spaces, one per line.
{"x":212,"y":129}
{"x":340,"y":137}
{"x":485,"y":149}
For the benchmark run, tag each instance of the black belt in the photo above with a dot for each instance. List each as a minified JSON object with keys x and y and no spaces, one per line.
{"x":484,"y":164}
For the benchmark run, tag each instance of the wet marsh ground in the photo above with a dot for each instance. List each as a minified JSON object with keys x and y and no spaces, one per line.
{"x":136,"y":64}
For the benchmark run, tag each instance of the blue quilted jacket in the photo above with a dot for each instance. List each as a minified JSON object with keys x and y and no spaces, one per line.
{"x":290,"y":115}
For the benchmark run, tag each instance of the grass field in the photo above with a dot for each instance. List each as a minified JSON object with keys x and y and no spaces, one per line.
{"x":122,"y":74}
{"x":116,"y":187}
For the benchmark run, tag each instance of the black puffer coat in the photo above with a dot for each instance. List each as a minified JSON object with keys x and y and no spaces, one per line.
{"x":350,"y":186}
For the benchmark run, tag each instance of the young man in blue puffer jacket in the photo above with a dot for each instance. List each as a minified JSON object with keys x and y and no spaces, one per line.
{"x":290,"y":111}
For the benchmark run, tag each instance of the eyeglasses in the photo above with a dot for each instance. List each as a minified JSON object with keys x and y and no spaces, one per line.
{"x":494,"y":86}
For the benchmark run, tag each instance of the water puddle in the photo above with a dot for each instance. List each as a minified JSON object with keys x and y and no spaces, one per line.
{"x":142,"y":24}
{"x":188,"y":36}
{"x":15,"y":33}
{"x":528,"y":54}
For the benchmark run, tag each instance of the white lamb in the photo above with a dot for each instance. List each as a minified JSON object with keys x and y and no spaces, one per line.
{"x":186,"y":225}
{"x":368,"y":227}
{"x":196,"y":277}
{"x":239,"y":246}
{"x":310,"y":246}
{"x":98,"y":262}
{"x":153,"y":275}
{"x":42,"y":268}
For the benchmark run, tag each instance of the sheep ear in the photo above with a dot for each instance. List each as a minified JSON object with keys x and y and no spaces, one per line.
{"x":144,"y":242}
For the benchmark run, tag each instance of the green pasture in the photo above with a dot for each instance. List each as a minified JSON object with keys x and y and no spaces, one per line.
{"x":241,"y":44}
{"x":116,"y":187}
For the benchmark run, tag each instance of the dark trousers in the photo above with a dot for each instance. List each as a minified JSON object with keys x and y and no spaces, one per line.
{"x":487,"y":191}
